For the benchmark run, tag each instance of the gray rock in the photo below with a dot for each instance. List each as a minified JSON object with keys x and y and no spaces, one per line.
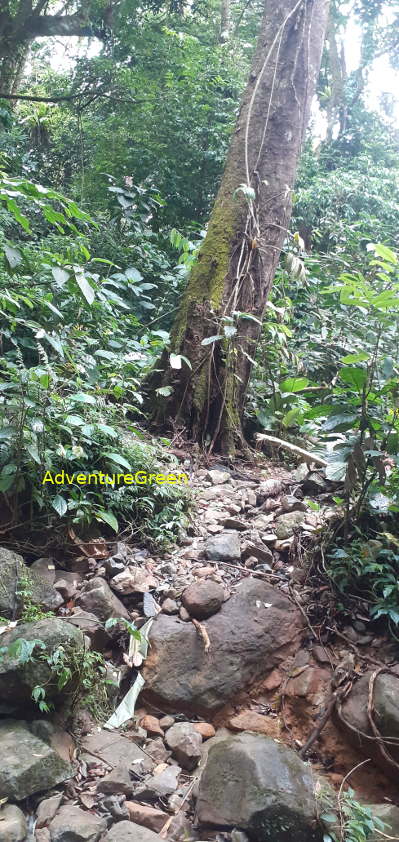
{"x":389,"y":814}
{"x":113,"y":566}
{"x":13,"y":827}
{"x":289,"y":503}
{"x":47,"y":809}
{"x":257,"y":551}
{"x":386,"y":706}
{"x":202,"y":599}
{"x":185,"y":743}
{"x":16,"y":576}
{"x":270,"y":488}
{"x":260,"y":786}
{"x":112,"y":747}
{"x":91,"y":626}
{"x":236,"y":524}
{"x":28,"y":764}
{"x":300,"y":473}
{"x":223,"y":547}
{"x":97,"y":598}
{"x":44,"y":568}
{"x":314,"y":483}
{"x":130,"y":832}
{"x":159,"y":786}
{"x":71,"y":824}
{"x":287,"y":524}
{"x":252,"y":633}
{"x":17,"y":679}
{"x":118,"y":780}
{"x":218,"y":477}
{"x":170,"y":606}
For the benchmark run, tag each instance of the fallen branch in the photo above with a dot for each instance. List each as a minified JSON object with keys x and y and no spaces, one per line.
{"x":203,"y":634}
{"x":309,"y":457}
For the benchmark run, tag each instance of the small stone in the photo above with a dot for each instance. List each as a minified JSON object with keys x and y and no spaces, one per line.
{"x":218,"y":477}
{"x":146,"y":816}
{"x":170,"y":606}
{"x":288,"y":523}
{"x":233,"y":508}
{"x":289,"y":503}
{"x":269,"y":538}
{"x":116,"y":781}
{"x":200,"y":572}
{"x":270,"y":488}
{"x":300,"y":473}
{"x":97,"y":598}
{"x":42,"y":834}
{"x":151,"y":725}
{"x":166,"y":722}
{"x":66,"y":589}
{"x":273,"y":680}
{"x":130,"y":832}
{"x":113,"y":566}
{"x":47,"y":809}
{"x":235,"y":523}
{"x":44,"y":568}
{"x":314,"y":483}
{"x":202,"y":599}
{"x":72,"y":823}
{"x":150,"y":606}
{"x":183,"y":614}
{"x":249,"y":720}
{"x":134,"y":580}
{"x":159,"y":786}
{"x":262,"y":554}
{"x":13,"y":827}
{"x":185,"y":743}
{"x":205,"y":729}
{"x":223,"y":547}
{"x":157,"y":750}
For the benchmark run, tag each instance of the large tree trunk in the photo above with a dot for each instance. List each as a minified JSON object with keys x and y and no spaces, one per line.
{"x":238,"y":258}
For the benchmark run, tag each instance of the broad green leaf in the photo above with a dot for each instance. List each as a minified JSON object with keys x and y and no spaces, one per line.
{"x":61,"y":276}
{"x":14,"y":257}
{"x":383,"y":251}
{"x":82,"y":397}
{"x":336,"y":471}
{"x":84,"y":286}
{"x":118,"y":459}
{"x":108,"y":518}
{"x":59,"y":504}
{"x":133,"y":274}
{"x":294,"y":384}
{"x":355,"y":358}
{"x":355,"y":377}
{"x":229,"y":330}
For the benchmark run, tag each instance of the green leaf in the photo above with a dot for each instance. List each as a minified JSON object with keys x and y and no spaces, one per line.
{"x":108,"y":518}
{"x":355,"y":377}
{"x":209,"y":340}
{"x":133,"y":274}
{"x":118,"y":459}
{"x":355,"y":358}
{"x":14,"y":257}
{"x":59,"y":504}
{"x":82,"y":397}
{"x":84,"y":286}
{"x":294,"y":384}
{"x":61,"y":276}
{"x":383,"y":251}
{"x":339,"y":422}
{"x":336,"y":471}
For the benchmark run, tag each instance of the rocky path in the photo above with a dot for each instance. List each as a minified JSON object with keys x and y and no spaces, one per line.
{"x":234,"y":681}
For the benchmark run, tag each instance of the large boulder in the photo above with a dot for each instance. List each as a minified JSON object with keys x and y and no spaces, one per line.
{"x":353,"y":717}
{"x":260,"y":786}
{"x":97,"y":598}
{"x":28,"y":764}
{"x":15,"y":578}
{"x":17,"y":679}
{"x":251,"y":634}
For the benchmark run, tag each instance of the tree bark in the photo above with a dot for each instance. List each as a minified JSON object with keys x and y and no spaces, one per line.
{"x":225,"y":21}
{"x":236,"y":264}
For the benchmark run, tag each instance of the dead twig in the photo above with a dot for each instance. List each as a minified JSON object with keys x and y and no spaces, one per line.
{"x":203,"y":634}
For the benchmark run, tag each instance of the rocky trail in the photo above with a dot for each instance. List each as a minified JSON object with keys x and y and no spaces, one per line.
{"x":252,"y":710}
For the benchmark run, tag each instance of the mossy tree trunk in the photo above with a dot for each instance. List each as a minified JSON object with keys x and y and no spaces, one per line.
{"x":237,"y":261}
